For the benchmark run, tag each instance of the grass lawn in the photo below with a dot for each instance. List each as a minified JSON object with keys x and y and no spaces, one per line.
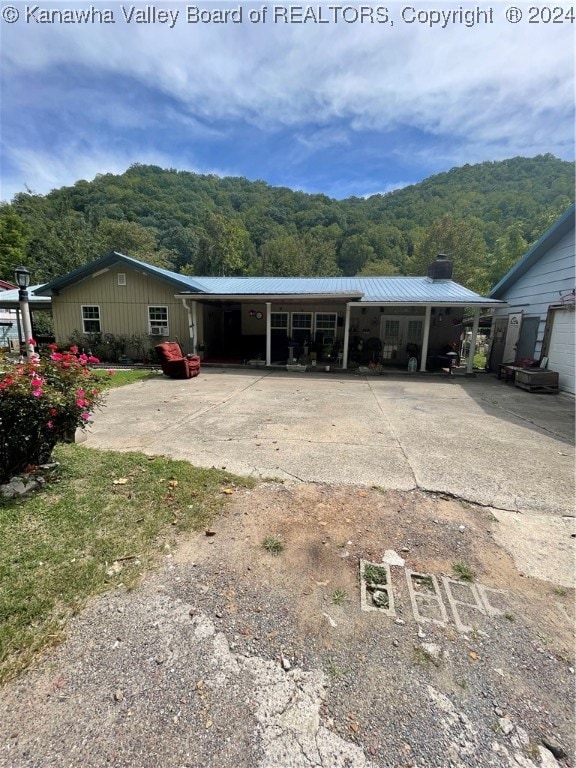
{"x":121,"y":377}
{"x":100,"y":520}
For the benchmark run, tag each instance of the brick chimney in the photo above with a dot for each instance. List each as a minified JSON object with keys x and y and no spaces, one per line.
{"x":441,"y":269}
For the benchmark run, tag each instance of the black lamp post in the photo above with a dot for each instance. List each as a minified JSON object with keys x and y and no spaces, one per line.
{"x":22,"y":278}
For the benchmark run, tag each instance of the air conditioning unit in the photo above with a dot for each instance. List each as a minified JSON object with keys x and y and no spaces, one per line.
{"x":159,"y":330}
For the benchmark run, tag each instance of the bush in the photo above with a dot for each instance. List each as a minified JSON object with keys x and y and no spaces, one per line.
{"x":41,"y":403}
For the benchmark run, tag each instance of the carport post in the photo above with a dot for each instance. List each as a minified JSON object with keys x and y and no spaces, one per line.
{"x":268,"y":333}
{"x":346,"y":338}
{"x":193,"y":330}
{"x":471,"y":353}
{"x":425,"y":338}
{"x":192,"y":318}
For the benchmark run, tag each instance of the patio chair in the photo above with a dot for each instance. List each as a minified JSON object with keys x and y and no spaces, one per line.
{"x":174,"y":363}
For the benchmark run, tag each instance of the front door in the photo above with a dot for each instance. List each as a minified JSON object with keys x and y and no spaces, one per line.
{"x":396,"y":334}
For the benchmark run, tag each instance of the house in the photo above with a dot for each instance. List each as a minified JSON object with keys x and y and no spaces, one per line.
{"x":11,"y":333}
{"x":539,"y":318}
{"x":343,"y":319}
{"x":8,"y":324}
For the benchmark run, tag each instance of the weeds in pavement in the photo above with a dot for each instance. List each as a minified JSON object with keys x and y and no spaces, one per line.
{"x":463,"y":572}
{"x":339,"y":597}
{"x":273,"y":545}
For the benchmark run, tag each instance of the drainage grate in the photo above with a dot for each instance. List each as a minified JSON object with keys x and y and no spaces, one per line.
{"x":425,"y":597}
{"x":376,"y":588}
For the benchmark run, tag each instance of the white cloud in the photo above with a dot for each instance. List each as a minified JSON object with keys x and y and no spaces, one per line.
{"x":497,"y":90}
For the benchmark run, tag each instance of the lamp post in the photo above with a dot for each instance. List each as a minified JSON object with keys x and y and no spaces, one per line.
{"x":22,"y":277}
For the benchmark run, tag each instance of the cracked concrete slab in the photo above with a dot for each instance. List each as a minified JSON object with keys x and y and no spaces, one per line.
{"x":477,"y":439}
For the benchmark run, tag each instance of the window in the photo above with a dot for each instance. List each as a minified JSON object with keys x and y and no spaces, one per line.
{"x":279,"y":321}
{"x":326,"y":322}
{"x":301,"y":327}
{"x":121,"y":278}
{"x":301,"y":321}
{"x":91,"y":319}
{"x":158,"y":321}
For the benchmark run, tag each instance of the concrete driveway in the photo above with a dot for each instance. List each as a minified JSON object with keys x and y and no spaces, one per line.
{"x":475,"y":438}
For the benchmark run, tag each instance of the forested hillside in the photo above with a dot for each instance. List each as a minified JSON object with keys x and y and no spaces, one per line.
{"x":484,"y":216}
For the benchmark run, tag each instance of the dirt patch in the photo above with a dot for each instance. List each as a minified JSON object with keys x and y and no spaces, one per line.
{"x":187,"y":669}
{"x":326,"y":530}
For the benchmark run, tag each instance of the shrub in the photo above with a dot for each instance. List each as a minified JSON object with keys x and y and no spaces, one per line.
{"x":41,"y":403}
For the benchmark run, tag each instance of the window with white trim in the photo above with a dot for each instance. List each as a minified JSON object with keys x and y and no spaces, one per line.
{"x":158,"y":321}
{"x":279,"y":321}
{"x":326,"y":323}
{"x":301,"y":326}
{"x":91,"y":319}
{"x":302,"y":321}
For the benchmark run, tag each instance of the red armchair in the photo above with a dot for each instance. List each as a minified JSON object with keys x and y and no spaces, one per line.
{"x":175,"y":364}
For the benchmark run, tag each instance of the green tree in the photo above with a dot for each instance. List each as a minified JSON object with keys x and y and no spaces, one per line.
{"x":225,"y":247}
{"x":355,"y":252}
{"x":461,"y":240}
{"x":14,"y":235}
{"x":380,"y":268}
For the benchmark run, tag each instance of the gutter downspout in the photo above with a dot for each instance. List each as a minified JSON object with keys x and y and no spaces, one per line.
{"x":346,"y":338}
{"x":472,"y":352}
{"x":425,"y":338}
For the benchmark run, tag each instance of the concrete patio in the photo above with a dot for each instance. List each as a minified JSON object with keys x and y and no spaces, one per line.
{"x":475,"y":438}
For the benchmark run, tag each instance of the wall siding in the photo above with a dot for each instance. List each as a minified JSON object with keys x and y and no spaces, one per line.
{"x":540,"y":287}
{"x":123,"y":309}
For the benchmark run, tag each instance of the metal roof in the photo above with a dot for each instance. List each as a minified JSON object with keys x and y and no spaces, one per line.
{"x":390,"y":290}
{"x":9,"y":299}
{"x":552,"y":236}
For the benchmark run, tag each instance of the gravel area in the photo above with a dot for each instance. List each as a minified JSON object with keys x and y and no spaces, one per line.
{"x":229,"y":656}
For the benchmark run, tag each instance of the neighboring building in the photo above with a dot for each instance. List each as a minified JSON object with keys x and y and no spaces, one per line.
{"x":8,"y":321}
{"x":10,"y":309}
{"x":239,"y":318}
{"x":539,"y":319}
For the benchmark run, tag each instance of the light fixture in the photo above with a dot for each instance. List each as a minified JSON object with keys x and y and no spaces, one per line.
{"x":22,"y":277}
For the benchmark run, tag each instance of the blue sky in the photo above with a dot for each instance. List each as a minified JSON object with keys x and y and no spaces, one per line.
{"x":343,"y":108}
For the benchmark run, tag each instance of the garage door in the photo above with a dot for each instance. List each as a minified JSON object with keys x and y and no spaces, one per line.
{"x":561,"y":355}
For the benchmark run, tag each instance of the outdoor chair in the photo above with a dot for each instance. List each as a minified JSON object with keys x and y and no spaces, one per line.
{"x":174,"y":363}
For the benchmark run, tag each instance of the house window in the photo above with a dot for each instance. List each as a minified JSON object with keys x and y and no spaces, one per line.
{"x":121,"y":278}
{"x":158,"y":321}
{"x":91,"y":319}
{"x":279,"y":321}
{"x":301,"y":326}
{"x":326,"y":323}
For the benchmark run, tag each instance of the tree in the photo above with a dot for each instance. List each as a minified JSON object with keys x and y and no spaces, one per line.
{"x":14,"y":234}
{"x":355,"y":252}
{"x":461,"y":240}
{"x":225,"y":247}
{"x":133,"y":240}
{"x":380,"y":268}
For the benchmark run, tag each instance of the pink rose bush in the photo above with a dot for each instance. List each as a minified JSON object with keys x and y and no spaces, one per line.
{"x":41,"y":402}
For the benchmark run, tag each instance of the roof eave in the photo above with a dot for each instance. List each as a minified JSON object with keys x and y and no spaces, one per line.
{"x":343,"y":296}
{"x":87,"y":270}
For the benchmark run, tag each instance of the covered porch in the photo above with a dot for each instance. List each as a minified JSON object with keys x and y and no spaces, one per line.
{"x":340,"y":331}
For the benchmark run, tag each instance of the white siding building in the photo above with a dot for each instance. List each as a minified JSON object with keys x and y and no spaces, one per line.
{"x":539,"y":319}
